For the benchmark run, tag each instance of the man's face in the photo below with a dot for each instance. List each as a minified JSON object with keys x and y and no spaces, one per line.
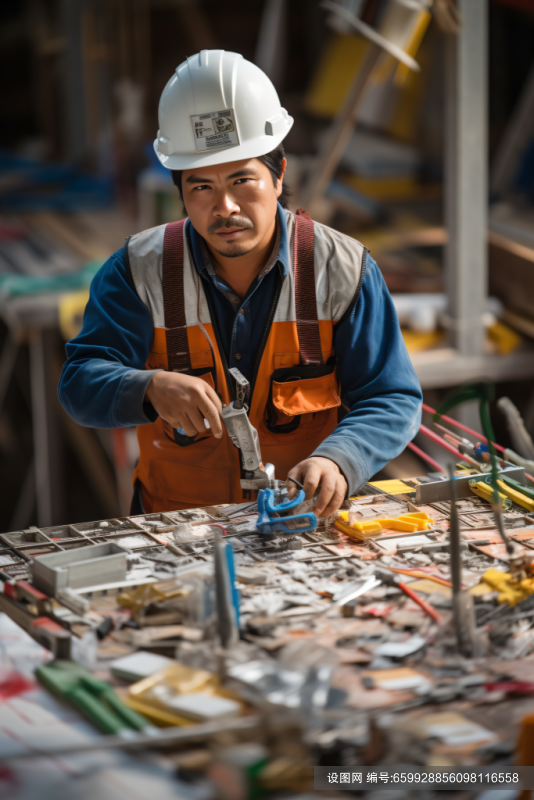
{"x":232,"y":206}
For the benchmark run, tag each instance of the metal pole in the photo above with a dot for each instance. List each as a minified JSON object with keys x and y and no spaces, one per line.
{"x":466,"y":168}
{"x":462,"y":602}
{"x":7,"y":364}
{"x":270,"y":50}
{"x":74,"y":116}
{"x":44,"y":422}
{"x":43,"y":485}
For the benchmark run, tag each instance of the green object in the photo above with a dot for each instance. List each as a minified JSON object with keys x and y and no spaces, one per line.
{"x":519,"y":487}
{"x":12,"y":285}
{"x":95,"y":699}
{"x":484,"y":393}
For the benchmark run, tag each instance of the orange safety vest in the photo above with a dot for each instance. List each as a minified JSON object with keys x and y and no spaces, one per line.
{"x":295,"y":394}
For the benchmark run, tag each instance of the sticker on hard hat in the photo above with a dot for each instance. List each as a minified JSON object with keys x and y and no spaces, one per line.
{"x":215,"y":131}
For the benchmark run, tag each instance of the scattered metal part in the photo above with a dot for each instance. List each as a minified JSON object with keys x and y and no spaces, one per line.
{"x":463,"y":609}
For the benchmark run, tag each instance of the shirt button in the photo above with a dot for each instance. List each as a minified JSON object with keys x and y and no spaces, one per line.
{"x":237,"y":356}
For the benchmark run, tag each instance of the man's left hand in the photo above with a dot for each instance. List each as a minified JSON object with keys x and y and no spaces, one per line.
{"x":314,"y":472}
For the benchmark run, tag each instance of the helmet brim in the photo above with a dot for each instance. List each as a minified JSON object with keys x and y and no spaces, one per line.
{"x":252,"y":149}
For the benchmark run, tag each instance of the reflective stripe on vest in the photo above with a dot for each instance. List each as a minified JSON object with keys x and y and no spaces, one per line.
{"x":295,"y":395}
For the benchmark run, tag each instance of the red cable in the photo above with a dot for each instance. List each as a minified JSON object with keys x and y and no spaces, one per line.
{"x":215,"y":525}
{"x":440,"y":441}
{"x":421,"y":453}
{"x":415,"y":597}
{"x":456,"y":424}
{"x":478,"y":436}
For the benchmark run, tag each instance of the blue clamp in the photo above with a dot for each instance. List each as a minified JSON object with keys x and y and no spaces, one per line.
{"x":266,"y":506}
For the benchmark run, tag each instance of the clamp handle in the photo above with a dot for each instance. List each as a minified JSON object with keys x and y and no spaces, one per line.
{"x":275,"y":509}
{"x":266,"y":525}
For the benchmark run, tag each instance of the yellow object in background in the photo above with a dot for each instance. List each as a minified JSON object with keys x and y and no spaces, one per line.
{"x":71,"y":310}
{"x":504,"y":338}
{"x":384,"y":188}
{"x":337,"y":66}
{"x":510,"y":590}
{"x":138,"y":599}
{"x":428,"y":586}
{"x":418,"y":32}
{"x":158,"y":696}
{"x":518,"y":497}
{"x":480,"y":589}
{"x":485,"y":491}
{"x":418,"y":341}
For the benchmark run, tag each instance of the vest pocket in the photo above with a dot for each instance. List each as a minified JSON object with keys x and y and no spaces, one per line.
{"x":301,"y":391}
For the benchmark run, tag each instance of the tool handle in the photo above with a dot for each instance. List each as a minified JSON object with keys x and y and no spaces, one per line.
{"x":275,"y":509}
{"x":104,"y":718}
{"x":130,"y":717}
{"x":425,"y":606}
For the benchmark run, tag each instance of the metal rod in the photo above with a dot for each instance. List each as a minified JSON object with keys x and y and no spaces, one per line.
{"x":462,"y":601}
{"x":7,"y":364}
{"x":454,"y":538}
{"x":164,"y":737}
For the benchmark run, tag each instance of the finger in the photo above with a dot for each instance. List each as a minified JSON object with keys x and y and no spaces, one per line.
{"x":189,"y":427}
{"x":196,"y":419}
{"x":210,"y":412}
{"x":212,"y":395}
{"x":172,"y":420}
{"x":297,"y":472}
{"x":328,"y":487}
{"x":311,"y":479}
{"x":337,"y":498}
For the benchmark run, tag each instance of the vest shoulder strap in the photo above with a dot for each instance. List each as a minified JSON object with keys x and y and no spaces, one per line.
{"x":173,"y":298}
{"x":305,"y":291}
{"x":305,"y":294}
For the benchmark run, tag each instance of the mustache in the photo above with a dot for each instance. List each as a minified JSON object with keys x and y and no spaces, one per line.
{"x":230,"y":222}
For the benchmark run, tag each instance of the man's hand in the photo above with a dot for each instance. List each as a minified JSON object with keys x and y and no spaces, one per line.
{"x":184,"y":402}
{"x":314,"y":472}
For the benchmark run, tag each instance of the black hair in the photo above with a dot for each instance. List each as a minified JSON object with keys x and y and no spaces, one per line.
{"x":273,"y":162}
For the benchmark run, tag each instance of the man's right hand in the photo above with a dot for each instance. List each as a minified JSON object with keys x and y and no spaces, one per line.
{"x":184,"y":402}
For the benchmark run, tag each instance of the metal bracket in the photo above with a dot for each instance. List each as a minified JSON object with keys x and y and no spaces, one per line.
{"x":438,"y":491}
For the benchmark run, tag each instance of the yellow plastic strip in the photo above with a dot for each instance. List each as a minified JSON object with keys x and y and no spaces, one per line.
{"x":485,"y":491}
{"x":392,"y":486}
{"x":516,"y":496}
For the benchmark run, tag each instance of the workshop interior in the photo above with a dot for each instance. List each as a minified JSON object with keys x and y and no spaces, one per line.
{"x":306,"y":567}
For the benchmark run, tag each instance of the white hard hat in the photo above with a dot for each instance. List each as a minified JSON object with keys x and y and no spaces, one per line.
{"x":216,"y":108}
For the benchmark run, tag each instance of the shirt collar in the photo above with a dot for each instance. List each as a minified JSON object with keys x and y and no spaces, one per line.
{"x":201,"y":253}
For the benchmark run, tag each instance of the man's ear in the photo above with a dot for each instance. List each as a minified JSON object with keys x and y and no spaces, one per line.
{"x":280,"y":181}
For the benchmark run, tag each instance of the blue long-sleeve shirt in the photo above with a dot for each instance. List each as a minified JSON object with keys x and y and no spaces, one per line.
{"x":104,"y":379}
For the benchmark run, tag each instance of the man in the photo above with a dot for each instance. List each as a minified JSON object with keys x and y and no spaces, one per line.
{"x":300,"y":309}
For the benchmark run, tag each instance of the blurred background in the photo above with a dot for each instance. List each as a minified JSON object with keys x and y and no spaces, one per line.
{"x":414,"y":132}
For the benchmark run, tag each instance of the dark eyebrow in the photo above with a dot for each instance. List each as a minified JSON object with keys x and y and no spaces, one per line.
{"x":241,"y":173}
{"x":194,"y":179}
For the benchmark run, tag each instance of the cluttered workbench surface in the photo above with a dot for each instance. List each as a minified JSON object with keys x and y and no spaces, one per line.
{"x":398,"y":631}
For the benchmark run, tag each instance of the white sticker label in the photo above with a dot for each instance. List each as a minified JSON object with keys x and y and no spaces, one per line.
{"x":215,"y":131}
